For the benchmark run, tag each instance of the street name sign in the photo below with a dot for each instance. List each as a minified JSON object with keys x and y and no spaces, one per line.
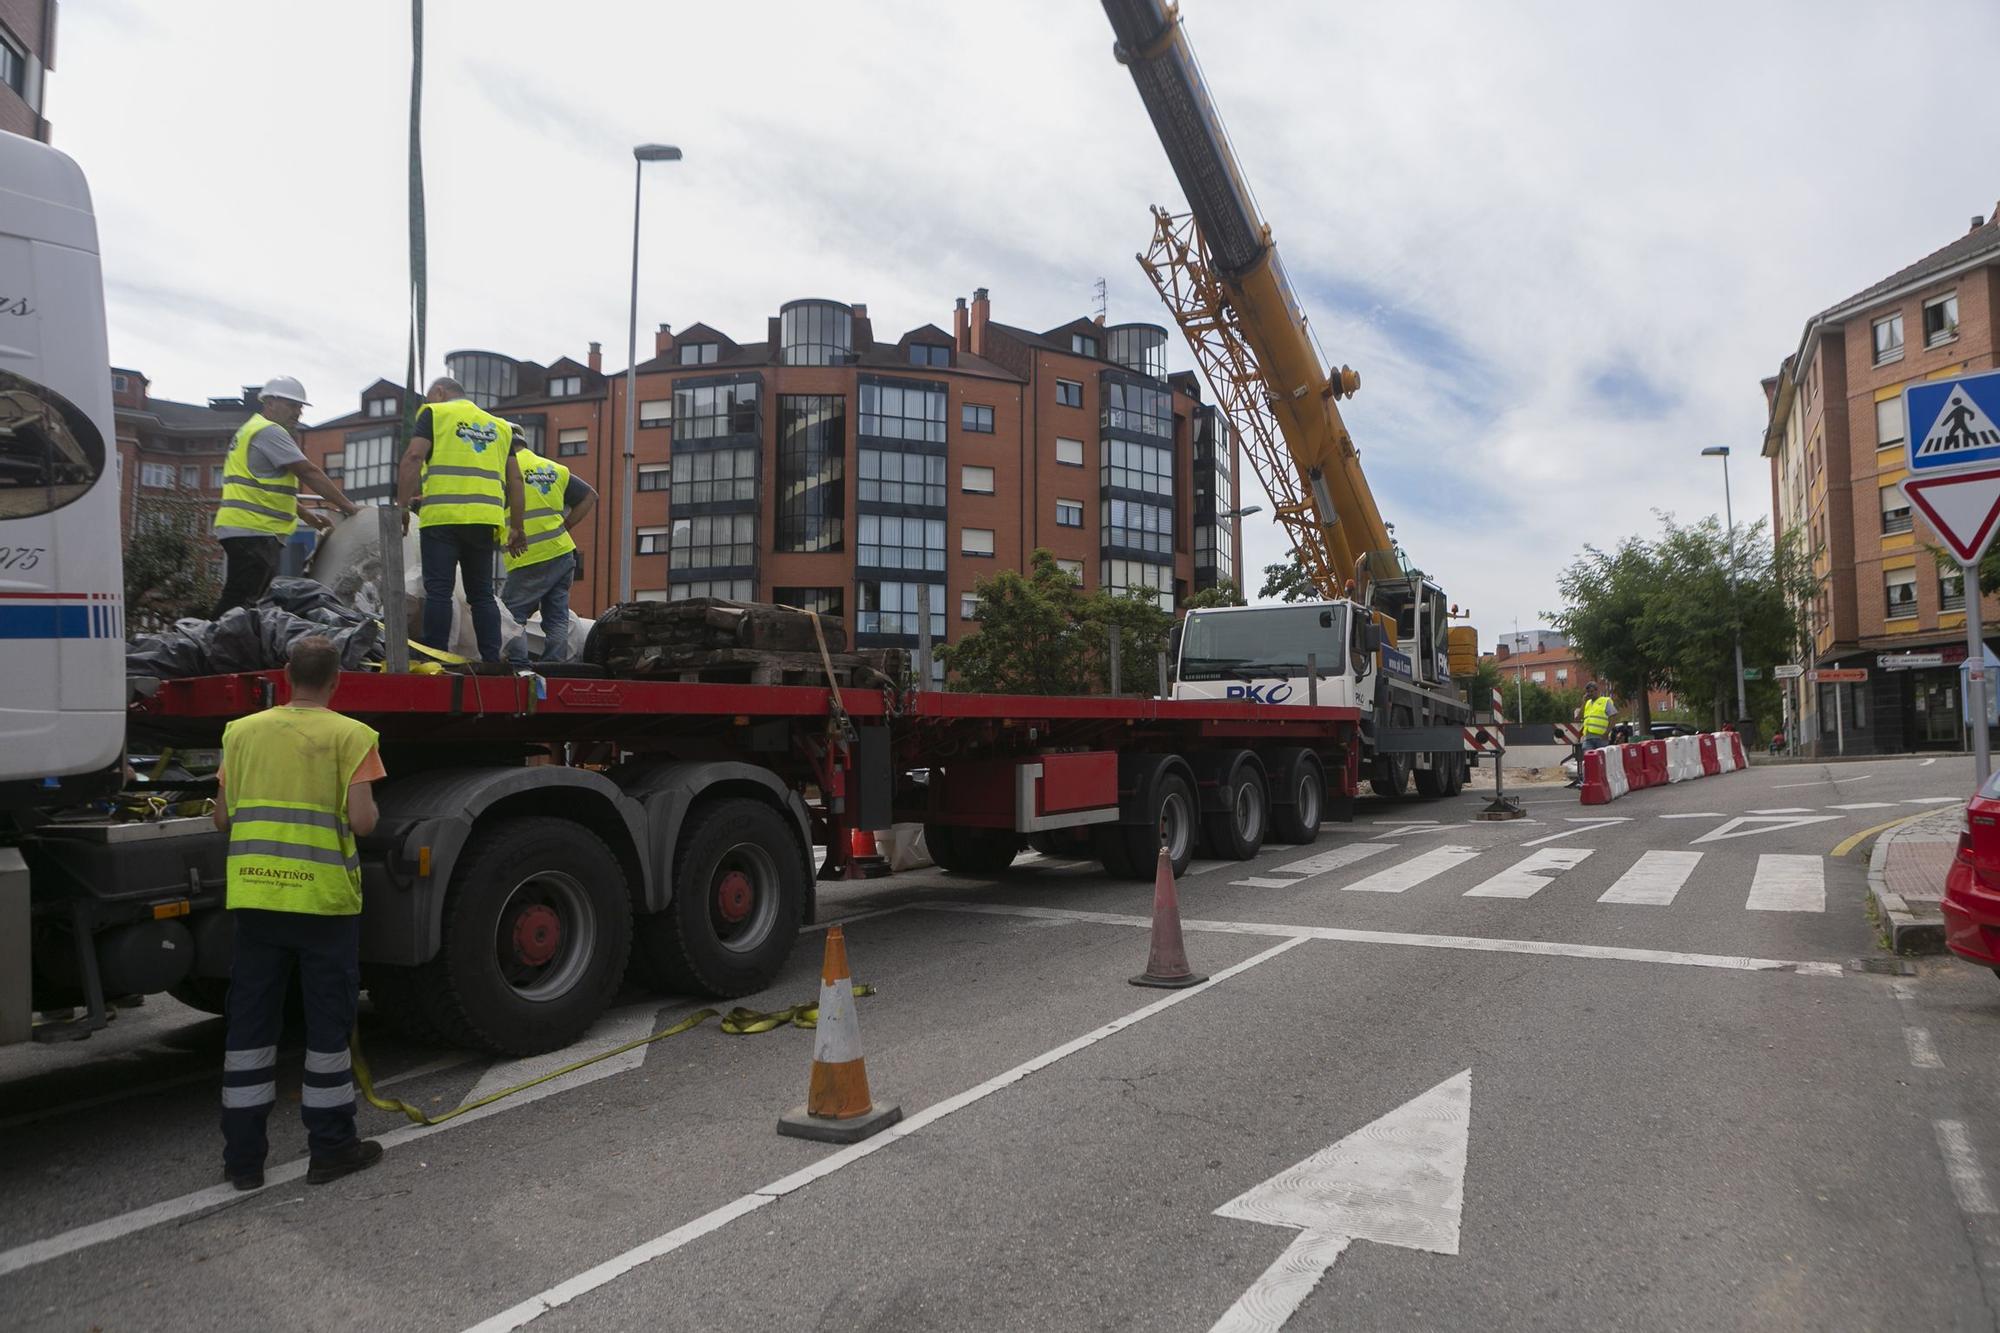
{"x":1788,"y":671}
{"x":1838,"y":675}
{"x":1908,"y":661}
{"x":1753,"y":673}
{"x":1953,"y":423}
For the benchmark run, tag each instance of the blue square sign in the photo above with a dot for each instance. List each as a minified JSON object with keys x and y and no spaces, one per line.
{"x":1953,"y":423}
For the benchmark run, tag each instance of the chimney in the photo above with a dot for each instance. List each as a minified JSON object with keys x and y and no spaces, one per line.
{"x":597,"y":358}
{"x":982,"y":311}
{"x":663,"y":340}
{"x":860,"y":311}
{"x":1501,"y":652}
{"x":1098,"y":319}
{"x":1978,"y":222}
{"x":961,"y":326}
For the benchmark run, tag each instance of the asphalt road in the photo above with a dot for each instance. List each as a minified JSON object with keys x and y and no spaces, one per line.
{"x":1629,"y":1074}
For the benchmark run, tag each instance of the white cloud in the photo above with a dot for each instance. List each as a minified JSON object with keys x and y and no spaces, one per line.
{"x":1487,"y":208}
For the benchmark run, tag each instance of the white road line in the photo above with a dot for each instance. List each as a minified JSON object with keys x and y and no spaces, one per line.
{"x":1696,"y":814}
{"x":1470,"y":943}
{"x":1923,"y":1053}
{"x":1529,"y":875}
{"x":1402,"y":821}
{"x":1865,"y":805}
{"x":1397,"y":878}
{"x":1961,"y":1163}
{"x":1654,"y":879}
{"x":1934,"y":800}
{"x":1319,"y":864}
{"x":1823,"y":782}
{"x":613,"y":1269}
{"x":1783,"y":810}
{"x":1585,"y":825}
{"x":850,"y":920}
{"x":1788,"y":883}
{"x":1927,"y":763}
{"x":1203,"y":867}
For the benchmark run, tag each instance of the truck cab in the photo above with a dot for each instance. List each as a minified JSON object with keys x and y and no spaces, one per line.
{"x":1272,"y":654}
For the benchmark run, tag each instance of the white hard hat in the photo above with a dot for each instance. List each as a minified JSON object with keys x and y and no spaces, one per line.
{"x":284,"y":386}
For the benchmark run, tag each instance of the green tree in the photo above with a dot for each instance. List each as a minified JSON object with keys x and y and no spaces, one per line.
{"x":1142,"y":636}
{"x":1225,"y":593}
{"x":1288,"y":582}
{"x":1028,"y":640}
{"x":169,"y":566}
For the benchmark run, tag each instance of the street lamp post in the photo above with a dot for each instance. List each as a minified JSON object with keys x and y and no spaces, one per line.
{"x":641,"y":155}
{"x":1735,"y":614}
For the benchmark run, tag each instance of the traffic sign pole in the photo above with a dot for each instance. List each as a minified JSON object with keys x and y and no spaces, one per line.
{"x":1976,"y":683}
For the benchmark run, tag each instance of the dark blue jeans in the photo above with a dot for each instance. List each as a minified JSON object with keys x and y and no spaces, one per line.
{"x":326,"y":950}
{"x":466,"y":550}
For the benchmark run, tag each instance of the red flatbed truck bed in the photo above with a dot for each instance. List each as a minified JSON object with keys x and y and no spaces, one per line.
{"x":537,"y":835}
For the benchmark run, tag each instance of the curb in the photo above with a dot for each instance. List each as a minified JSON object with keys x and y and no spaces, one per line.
{"x":1907,"y":933}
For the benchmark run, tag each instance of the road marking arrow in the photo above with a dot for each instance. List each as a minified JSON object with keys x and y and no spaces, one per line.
{"x":1399,"y":1180}
{"x":1747,"y":826}
{"x":1586,"y":824}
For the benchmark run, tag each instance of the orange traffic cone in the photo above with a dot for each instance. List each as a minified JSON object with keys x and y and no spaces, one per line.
{"x":862,"y":842}
{"x":837,"y":1109}
{"x":1166,"y":958}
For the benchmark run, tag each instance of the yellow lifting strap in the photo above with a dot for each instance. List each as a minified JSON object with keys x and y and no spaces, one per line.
{"x":738,"y":1022}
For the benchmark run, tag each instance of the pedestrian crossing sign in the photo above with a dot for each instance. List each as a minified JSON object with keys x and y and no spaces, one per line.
{"x":1953,"y":423}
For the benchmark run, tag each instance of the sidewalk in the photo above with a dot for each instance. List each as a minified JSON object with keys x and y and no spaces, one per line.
{"x":1906,"y":878}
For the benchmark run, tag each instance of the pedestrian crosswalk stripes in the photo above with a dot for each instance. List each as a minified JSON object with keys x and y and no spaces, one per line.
{"x":1788,"y":884}
{"x":1529,"y":875}
{"x":1410,"y":873}
{"x":1293,"y":871}
{"x":1654,"y":879}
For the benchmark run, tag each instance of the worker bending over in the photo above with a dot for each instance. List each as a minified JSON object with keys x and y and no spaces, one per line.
{"x":292,"y":793}
{"x":260,"y":494}
{"x":468,"y":494}
{"x":538,"y":577}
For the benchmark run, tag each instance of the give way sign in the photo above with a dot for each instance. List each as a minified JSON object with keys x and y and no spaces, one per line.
{"x":1964,"y":507}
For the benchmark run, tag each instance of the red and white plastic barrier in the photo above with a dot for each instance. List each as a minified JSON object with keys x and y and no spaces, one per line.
{"x":1613,"y":770}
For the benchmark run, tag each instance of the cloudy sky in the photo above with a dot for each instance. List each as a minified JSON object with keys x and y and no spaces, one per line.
{"x":1562,"y":242}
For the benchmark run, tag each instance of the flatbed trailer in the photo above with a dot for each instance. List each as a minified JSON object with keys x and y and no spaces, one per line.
{"x":542,"y":837}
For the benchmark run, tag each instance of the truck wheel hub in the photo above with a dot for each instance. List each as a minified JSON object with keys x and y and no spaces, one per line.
{"x":537,"y":934}
{"x":734,"y":896}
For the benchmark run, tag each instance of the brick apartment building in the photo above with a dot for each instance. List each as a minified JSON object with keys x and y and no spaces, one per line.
{"x":1543,"y":657}
{"x":170,"y":457}
{"x":1836,"y":441}
{"x":824,"y":467}
{"x":27,"y":54}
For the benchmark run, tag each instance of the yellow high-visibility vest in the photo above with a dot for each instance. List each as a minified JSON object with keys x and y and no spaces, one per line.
{"x":465,"y":476}
{"x":543,"y":482}
{"x":285,"y":777}
{"x":260,"y":504}
{"x":1597,"y":716}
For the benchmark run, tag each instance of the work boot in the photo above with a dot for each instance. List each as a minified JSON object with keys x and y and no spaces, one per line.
{"x":356,"y":1156}
{"x":250,"y":1179}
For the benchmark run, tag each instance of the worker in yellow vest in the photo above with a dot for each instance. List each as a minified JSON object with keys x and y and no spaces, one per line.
{"x":554,"y":500}
{"x":292,"y":794}
{"x":468,"y":501}
{"x":260,"y":494}
{"x":1596,"y":715}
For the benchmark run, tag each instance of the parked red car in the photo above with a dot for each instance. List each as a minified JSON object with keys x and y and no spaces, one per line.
{"x":1971,"y":903}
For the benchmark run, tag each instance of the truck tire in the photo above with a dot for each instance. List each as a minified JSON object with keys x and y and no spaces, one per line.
{"x":537,"y":927}
{"x":1433,"y":781}
{"x":1109,"y":845}
{"x":1458,"y":775}
{"x":208,"y":994}
{"x":1236,"y":832}
{"x":739,"y":899}
{"x":965,"y":850}
{"x":1172,"y":825}
{"x":1391,"y":774}
{"x":1301,"y":787}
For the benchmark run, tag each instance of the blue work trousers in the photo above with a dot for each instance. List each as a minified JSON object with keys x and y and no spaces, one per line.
{"x":467,"y":551}
{"x":544,"y":587}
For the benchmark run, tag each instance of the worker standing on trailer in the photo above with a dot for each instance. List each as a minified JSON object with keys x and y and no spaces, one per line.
{"x":1596,"y":717}
{"x":260,"y":494}
{"x":292,"y":793}
{"x":468,"y":492}
{"x":554,"y":501}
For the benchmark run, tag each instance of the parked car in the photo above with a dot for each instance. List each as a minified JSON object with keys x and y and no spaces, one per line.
{"x":1667,"y":730}
{"x":1972,"y":886}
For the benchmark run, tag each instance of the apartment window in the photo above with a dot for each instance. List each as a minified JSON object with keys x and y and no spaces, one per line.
{"x":1900,"y":592}
{"x":706,"y":411}
{"x":652,"y":541}
{"x":890,"y":477}
{"x":649,"y":594}
{"x":1138,"y":467}
{"x":215,"y":473}
{"x":572,"y":443}
{"x":975,"y":541}
{"x":975,"y":418}
{"x":1951,"y":590}
{"x":891,"y":608}
{"x":816,"y":333}
{"x":191,"y":476}
{"x":654,"y":476}
{"x":1073,"y":568}
{"x":707,"y":475}
{"x":371,"y":465}
{"x":1941,"y":319}
{"x":1069,"y":451}
{"x":657,"y":412}
{"x":889,"y":541}
{"x":735,"y":590}
{"x":1083,"y":344}
{"x":159,"y":476}
{"x":565,"y":386}
{"x":1889,"y":427}
{"x":699,"y":354}
{"x":1121,"y":577}
{"x":968,"y":606}
{"x":1562,"y":675}
{"x":1069,"y":513}
{"x":119,"y":384}
{"x":335,"y":467}
{"x":825,"y":601}
{"x":711,"y":541}
{"x":1895,"y":510}
{"x":1069,"y":393}
{"x":1138,"y":408}
{"x":891,"y":410}
{"x":1539,"y":677}
{"x":975,"y":480}
{"x":929,"y":354}
{"x":1137,"y":527}
{"x":1888,"y":338}
{"x":380,"y":407}
{"x":812,"y":472}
